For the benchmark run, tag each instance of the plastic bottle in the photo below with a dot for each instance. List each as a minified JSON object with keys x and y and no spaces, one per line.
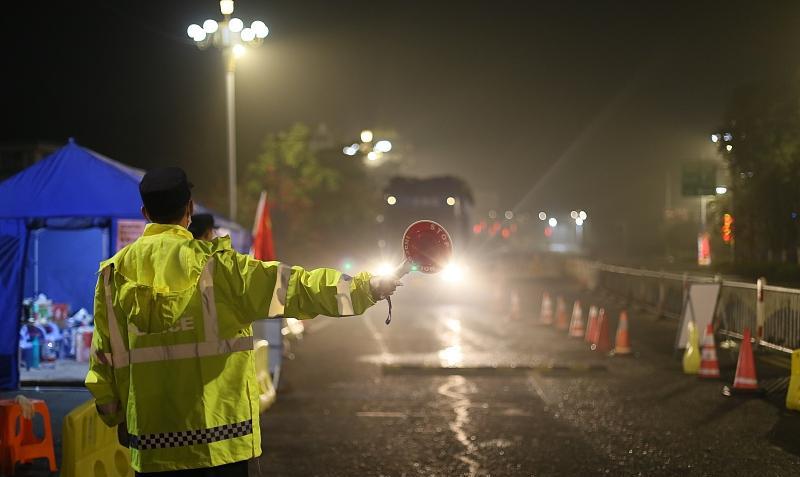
{"x":36,"y":353}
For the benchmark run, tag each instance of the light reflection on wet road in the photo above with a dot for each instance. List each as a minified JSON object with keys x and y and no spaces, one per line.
{"x":457,"y":389}
{"x":342,"y":412}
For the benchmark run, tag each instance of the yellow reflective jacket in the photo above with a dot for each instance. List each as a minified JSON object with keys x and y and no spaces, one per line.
{"x":172,"y":351}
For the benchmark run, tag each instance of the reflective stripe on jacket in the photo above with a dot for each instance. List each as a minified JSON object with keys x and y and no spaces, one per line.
{"x":172,"y":348}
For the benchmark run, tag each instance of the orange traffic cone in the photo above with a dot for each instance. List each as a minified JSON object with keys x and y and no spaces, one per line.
{"x":591,"y":325}
{"x":514,"y":312}
{"x":709,"y":366}
{"x":602,"y":341}
{"x":622,"y":344}
{"x":546,"y":315}
{"x":576,"y":329}
{"x":745,"y":380}
{"x":596,"y":328}
{"x":561,"y":314}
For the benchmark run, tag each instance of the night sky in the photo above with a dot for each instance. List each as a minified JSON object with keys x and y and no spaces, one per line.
{"x":538,"y":105}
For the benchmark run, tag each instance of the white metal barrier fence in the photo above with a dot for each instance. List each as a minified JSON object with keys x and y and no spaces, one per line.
{"x":771,"y":313}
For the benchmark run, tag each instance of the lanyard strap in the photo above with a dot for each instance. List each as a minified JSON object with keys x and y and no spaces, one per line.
{"x":389,"y":317}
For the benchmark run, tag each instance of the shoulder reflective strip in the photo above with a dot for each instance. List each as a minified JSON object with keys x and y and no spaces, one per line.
{"x":277,"y":304}
{"x":210,"y":324}
{"x":191,"y":350}
{"x":164,"y":440}
{"x":118,"y":349}
{"x":110,"y":408}
{"x":343,"y":300}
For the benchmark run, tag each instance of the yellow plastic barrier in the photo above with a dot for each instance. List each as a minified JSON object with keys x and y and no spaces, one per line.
{"x":89,"y":447}
{"x":267,"y":393}
{"x":691,"y":358}
{"x":793,"y":393}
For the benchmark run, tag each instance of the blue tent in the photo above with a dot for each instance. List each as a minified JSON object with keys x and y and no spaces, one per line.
{"x":74,"y":204}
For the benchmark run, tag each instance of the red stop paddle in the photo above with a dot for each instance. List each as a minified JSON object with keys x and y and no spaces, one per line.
{"x":427,"y":246}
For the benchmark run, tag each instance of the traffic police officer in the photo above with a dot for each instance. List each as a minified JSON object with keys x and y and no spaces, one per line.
{"x":172,"y":352}
{"x":202,"y":226}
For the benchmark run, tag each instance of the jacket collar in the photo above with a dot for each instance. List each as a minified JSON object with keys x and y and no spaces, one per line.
{"x":155,"y":229}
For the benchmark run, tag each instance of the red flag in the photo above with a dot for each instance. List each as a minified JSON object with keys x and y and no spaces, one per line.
{"x":263,"y":246}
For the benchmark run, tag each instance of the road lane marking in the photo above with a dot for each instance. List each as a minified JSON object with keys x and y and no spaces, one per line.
{"x":396,"y":415}
{"x":539,"y":389}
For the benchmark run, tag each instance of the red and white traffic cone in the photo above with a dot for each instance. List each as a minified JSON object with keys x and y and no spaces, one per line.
{"x":622,"y":343}
{"x":602,"y":341}
{"x":709,"y":366}
{"x":591,"y":325}
{"x":576,"y":329}
{"x":546,"y":314}
{"x":745,"y":381}
{"x":561,"y":314}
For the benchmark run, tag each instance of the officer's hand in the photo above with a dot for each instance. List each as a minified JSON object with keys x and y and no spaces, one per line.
{"x":384,"y":286}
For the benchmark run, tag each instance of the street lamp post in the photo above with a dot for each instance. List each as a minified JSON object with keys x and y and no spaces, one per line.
{"x":231,"y":36}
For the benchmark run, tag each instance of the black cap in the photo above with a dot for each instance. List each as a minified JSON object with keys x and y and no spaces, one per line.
{"x":201,"y":223}
{"x":165,"y":190}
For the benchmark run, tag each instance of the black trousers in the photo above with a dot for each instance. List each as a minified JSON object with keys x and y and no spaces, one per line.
{"x":237,"y":469}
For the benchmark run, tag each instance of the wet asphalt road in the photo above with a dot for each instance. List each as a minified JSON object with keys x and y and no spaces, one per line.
{"x":363,"y":398}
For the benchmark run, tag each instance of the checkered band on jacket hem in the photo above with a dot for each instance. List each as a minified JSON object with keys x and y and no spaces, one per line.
{"x":189,"y":438}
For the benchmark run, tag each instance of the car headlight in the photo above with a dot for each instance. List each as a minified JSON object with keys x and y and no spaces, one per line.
{"x":453,"y":273}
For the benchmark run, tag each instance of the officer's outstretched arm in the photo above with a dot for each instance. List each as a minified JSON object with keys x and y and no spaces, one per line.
{"x":100,"y":378}
{"x":258,"y":290}
{"x":328,"y":292}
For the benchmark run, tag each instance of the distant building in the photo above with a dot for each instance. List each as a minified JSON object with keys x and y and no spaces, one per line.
{"x":16,"y":157}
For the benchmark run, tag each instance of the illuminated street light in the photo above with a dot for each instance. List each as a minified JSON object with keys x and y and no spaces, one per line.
{"x":721,"y":190}
{"x":383,"y":145}
{"x":391,"y":200}
{"x":210,"y":26}
{"x":235,"y":25}
{"x":727,"y":137}
{"x":552,"y":222}
{"x":715,"y":138}
{"x":451,"y":201}
{"x":260,"y":28}
{"x":373,"y":150}
{"x":248,"y":35}
{"x":582,"y":215}
{"x":193,"y":30}
{"x":492,"y":214}
{"x":728,"y":147}
{"x":196,"y":33}
{"x":509,"y":215}
{"x":226,"y":7}
{"x":223,"y":36}
{"x":579,"y":221}
{"x":574,"y":214}
{"x":542,"y":216}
